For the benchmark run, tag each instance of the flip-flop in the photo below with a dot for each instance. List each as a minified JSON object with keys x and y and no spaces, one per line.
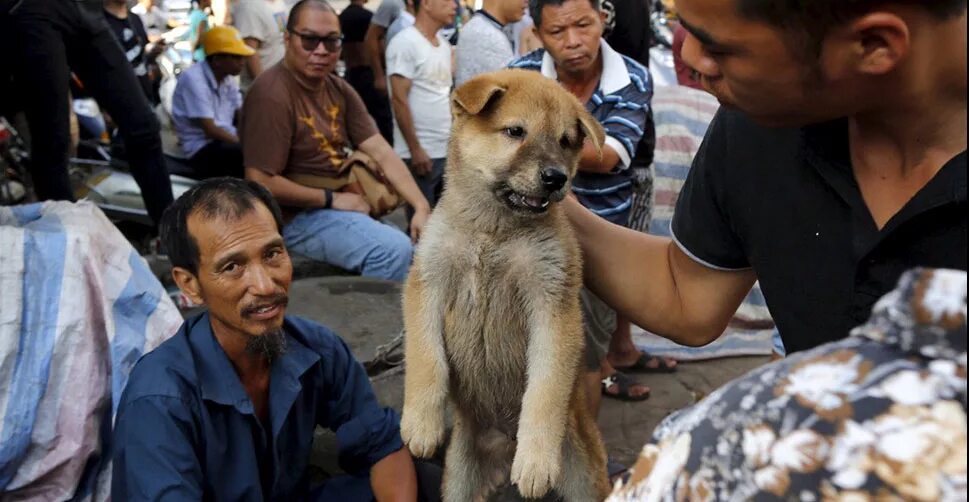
{"x":623,"y":382}
{"x":642,"y":365}
{"x":616,"y":471}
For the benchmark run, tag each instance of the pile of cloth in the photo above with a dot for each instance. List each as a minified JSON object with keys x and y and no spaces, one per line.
{"x":78,"y":307}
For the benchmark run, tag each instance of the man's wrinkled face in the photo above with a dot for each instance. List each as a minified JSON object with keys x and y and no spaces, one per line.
{"x":570,"y":33}
{"x":750,"y":65}
{"x":319,"y":62}
{"x":244,"y":272}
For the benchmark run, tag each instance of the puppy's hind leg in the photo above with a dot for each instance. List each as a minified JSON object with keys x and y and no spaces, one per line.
{"x":584,"y":476}
{"x":471,"y":473}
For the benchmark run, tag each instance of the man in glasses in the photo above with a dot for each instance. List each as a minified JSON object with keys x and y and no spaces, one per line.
{"x":301,"y":119}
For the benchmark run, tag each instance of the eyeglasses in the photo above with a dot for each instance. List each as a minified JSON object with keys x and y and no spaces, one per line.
{"x":331,"y":43}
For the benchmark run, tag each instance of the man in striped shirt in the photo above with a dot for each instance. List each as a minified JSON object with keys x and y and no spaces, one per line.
{"x":616,"y":90}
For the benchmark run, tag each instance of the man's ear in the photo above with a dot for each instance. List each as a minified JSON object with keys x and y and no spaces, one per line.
{"x":477,"y":94}
{"x":189,"y":284}
{"x":880,"y":42}
{"x":592,"y":130}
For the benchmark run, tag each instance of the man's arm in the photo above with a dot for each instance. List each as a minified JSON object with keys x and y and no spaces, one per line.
{"x":154,"y":457}
{"x":399,"y":93}
{"x":375,"y":49}
{"x":591,"y":162}
{"x":253,"y":63}
{"x":398,"y":175}
{"x":653,"y":282}
{"x":290,"y":193}
{"x":394,"y":477}
{"x":213,"y":131}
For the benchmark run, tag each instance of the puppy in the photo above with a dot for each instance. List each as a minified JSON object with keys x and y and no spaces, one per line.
{"x":491,"y":305}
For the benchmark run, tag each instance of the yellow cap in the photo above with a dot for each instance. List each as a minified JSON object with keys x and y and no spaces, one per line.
{"x":225,"y":40}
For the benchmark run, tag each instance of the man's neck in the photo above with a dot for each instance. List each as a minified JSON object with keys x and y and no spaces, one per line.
{"x":428,"y":27}
{"x":308,"y":83}
{"x":490,"y":10}
{"x":248,"y":366}
{"x":118,"y":10}
{"x":582,"y":84}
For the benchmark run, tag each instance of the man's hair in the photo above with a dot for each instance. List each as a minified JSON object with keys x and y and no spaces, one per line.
{"x":225,"y":198}
{"x":306,"y":4}
{"x":416,"y":4}
{"x":535,"y":8}
{"x":812,"y":19}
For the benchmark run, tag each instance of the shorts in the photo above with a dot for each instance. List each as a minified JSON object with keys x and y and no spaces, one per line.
{"x":598,"y":325}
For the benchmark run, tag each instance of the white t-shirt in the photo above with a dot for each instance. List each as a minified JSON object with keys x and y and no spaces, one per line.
{"x":257,"y":19}
{"x":413,"y":57}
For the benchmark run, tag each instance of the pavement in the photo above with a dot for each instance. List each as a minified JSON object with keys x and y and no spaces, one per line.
{"x":366,"y":313}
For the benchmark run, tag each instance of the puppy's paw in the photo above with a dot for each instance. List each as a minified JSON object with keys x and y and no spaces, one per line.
{"x":422,"y":432}
{"x":535,"y":469}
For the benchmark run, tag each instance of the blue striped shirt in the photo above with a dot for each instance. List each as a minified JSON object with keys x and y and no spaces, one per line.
{"x":622,"y":105}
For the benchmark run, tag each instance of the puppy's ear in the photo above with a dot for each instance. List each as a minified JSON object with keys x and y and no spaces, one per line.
{"x":591,"y":129}
{"x":477,"y":94}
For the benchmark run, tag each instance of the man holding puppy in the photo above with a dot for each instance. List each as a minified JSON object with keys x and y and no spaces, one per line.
{"x":300,"y":119}
{"x":226,"y":408}
{"x":837,"y":162}
{"x":617,"y":91}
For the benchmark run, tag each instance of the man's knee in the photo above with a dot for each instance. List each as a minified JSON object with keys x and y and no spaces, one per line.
{"x":391,"y":259}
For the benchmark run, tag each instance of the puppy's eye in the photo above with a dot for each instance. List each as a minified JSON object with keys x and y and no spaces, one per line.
{"x":564,"y":142}
{"x":515,"y":132}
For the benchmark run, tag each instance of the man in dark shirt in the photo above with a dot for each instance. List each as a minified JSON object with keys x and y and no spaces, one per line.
{"x":354,"y":21}
{"x":227,"y":407}
{"x":837,"y":163}
{"x":131,"y":34}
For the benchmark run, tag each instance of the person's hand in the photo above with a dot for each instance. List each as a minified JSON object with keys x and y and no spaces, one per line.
{"x":349,"y":201}
{"x":380,"y":84}
{"x":421,"y":162}
{"x":157,"y":48}
{"x":417,"y":223}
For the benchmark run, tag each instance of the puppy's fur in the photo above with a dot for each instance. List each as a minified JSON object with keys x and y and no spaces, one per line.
{"x":491,"y":305}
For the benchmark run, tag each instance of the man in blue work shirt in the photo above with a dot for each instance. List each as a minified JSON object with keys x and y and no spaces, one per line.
{"x":226,"y":408}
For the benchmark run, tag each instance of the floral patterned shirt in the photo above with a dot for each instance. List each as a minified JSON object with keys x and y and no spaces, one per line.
{"x":880,"y":415}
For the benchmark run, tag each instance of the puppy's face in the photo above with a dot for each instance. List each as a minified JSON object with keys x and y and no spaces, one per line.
{"x":518,"y":136}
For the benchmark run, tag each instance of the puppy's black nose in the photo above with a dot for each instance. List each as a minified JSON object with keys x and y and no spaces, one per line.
{"x":553,"y":179}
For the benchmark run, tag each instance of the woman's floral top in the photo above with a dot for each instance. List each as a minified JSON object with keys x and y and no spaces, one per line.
{"x":880,"y":415}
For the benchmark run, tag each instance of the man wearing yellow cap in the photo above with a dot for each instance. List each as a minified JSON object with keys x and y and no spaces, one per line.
{"x":206,"y":104}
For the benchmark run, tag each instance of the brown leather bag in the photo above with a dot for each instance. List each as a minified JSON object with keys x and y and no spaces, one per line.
{"x":359,"y":174}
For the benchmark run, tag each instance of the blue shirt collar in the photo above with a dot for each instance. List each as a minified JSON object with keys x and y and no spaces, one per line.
{"x":614,"y":77}
{"x":220,"y":383}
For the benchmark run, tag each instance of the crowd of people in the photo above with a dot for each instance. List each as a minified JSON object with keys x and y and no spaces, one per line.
{"x":836,"y":165}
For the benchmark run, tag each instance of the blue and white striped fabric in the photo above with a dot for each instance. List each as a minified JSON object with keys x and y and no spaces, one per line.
{"x":681,"y":115}
{"x":78,"y":307}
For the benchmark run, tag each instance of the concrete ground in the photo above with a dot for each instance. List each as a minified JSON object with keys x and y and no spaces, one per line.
{"x":367,"y":314}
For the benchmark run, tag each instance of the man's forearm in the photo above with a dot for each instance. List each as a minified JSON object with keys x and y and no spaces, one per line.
{"x":394,"y":478}
{"x":648,"y":279}
{"x":220,"y":134}
{"x":591,"y":161}
{"x":375,"y":51}
{"x":254,"y":66}
{"x":405,"y":121}
{"x":287,"y":192}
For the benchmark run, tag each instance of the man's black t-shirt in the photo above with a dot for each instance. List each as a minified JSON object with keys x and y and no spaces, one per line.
{"x":785,"y":202}
{"x":354,"y":21}
{"x":627,"y":28}
{"x":130,"y":33}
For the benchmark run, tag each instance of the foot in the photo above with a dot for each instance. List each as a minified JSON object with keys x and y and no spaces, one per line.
{"x":642,"y":362}
{"x":620,"y":386}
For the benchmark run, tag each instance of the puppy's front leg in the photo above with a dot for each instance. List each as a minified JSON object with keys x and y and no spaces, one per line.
{"x":554,"y":348}
{"x":426,"y":375}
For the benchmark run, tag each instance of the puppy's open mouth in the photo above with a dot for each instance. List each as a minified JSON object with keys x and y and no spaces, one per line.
{"x":521,"y":202}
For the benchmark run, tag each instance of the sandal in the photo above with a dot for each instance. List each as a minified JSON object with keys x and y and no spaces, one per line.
{"x":623,"y":383}
{"x":642,"y":365}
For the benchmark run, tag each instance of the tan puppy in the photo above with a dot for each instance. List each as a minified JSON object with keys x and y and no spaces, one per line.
{"x":491,"y":305}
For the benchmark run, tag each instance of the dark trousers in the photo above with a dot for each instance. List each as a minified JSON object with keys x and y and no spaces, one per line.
{"x":378,"y":105}
{"x":431,"y":184}
{"x":49,"y":39}
{"x":218,"y":158}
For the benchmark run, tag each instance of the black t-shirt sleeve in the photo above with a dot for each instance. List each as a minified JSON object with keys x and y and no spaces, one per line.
{"x":701,"y":224}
